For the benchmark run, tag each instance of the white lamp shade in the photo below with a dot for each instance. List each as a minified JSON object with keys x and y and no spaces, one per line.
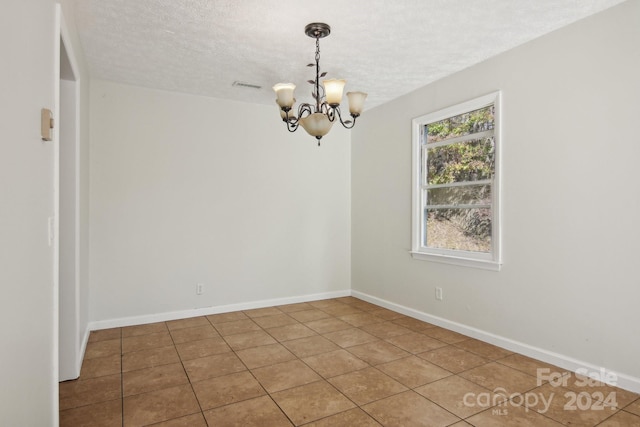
{"x":316,"y":124}
{"x":356,"y":102}
{"x":284,"y":94}
{"x":333,"y":90}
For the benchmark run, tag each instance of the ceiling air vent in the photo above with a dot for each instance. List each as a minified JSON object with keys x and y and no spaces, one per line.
{"x":247,"y":85}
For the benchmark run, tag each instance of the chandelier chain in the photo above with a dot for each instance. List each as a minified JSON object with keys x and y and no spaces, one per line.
{"x":317,"y":74}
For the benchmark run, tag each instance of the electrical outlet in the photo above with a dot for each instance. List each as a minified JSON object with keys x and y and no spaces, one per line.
{"x":199,"y":289}
{"x":439,"y":294}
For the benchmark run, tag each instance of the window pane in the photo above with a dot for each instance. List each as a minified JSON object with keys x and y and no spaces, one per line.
{"x":461,"y":162}
{"x":463,"y":124}
{"x":459,"y":229}
{"x":461,"y":195}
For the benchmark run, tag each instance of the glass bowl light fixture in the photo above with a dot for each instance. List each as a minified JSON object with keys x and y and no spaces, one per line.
{"x":317,"y":119}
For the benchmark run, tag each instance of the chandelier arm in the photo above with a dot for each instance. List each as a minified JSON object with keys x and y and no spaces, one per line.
{"x":304,"y":108}
{"x":346,"y":124}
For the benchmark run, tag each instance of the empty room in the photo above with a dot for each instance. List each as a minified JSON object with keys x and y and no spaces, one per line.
{"x":364,"y":213}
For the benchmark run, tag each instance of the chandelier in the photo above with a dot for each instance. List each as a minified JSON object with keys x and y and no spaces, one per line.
{"x":318,"y":118}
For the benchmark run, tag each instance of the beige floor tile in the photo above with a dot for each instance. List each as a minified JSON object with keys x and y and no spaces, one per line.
{"x":385,"y":330}
{"x":413,"y":371}
{"x":146,"y":342}
{"x":361,"y":319}
{"x":149,"y":358}
{"x":445,"y":335}
{"x":105,"y":334}
{"x":613,"y":396}
{"x":100,"y":366}
{"x":249,"y":339}
{"x":102,"y":349}
{"x":621,"y":419}
{"x":103,"y":414}
{"x":556,"y":403}
{"x":409,"y":409}
{"x":216,"y":319}
{"x":260,"y":312}
{"x":342,"y":310}
{"x":257,"y":357}
{"x":483,"y":349}
{"x":378,"y":352}
{"x":351,"y":418}
{"x":459,"y":396}
{"x":531,"y":366}
{"x":335,"y":363}
{"x":193,"y":420}
{"x":219,"y":391}
{"x":362,"y":305}
{"x":453,"y":359}
{"x":85,"y":392}
{"x":494,"y":376}
{"x":415,"y":342}
{"x":634,"y":407}
{"x":350,"y":337}
{"x":237,"y":327}
{"x":386,"y":314}
{"x":311,"y":402}
{"x":366,"y":385}
{"x":309,"y":346}
{"x":414,"y":324}
{"x":290,"y":332}
{"x":282,"y":376}
{"x":190,"y":322}
{"x":160,"y":405}
{"x":151,"y":379}
{"x":326,"y":303}
{"x":258,"y":412}
{"x":291,"y":308}
{"x":213,"y":366}
{"x":273,"y":321}
{"x":193,"y":334}
{"x":329,"y":324}
{"x":309,"y":315}
{"x":149,"y":328}
{"x":316,"y":359}
{"x":202,"y":348}
{"x":511,"y":416}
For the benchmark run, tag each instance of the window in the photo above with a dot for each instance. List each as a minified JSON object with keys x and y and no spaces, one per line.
{"x":456,"y":185}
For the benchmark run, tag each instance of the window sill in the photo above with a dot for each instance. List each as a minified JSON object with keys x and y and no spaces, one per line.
{"x":461,"y":261}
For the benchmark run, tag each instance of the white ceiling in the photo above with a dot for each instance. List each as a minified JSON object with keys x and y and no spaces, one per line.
{"x":383,"y":47}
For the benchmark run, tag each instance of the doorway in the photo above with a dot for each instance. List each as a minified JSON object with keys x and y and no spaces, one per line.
{"x":70,"y":337}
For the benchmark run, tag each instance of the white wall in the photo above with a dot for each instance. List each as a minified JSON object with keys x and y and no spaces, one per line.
{"x":188,"y":189}
{"x":570,"y":281}
{"x":29,"y":390}
{"x":28,"y":311}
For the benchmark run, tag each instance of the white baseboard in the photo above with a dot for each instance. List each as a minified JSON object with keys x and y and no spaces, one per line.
{"x":623,"y":381}
{"x":83,"y":347}
{"x":183,"y":314}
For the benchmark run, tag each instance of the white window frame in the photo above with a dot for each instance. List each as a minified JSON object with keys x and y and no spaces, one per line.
{"x":488,"y":261}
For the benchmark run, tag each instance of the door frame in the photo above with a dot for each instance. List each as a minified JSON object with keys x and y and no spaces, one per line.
{"x":68,"y":357}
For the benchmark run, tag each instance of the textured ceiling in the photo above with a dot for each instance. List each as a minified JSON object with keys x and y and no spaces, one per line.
{"x":383,"y":47}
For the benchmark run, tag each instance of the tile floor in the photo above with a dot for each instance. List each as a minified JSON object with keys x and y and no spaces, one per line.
{"x":337,"y":362}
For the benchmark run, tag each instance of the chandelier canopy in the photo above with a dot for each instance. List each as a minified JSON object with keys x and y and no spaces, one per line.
{"x":318,"y":118}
